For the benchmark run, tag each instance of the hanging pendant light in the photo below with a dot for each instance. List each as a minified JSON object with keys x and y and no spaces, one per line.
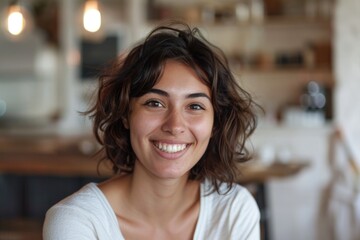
{"x":92,"y":16}
{"x":17,"y":20}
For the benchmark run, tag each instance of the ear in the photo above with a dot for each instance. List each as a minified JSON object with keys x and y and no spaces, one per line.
{"x":125,"y":122}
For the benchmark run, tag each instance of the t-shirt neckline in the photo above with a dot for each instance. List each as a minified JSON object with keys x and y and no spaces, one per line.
{"x":116,"y":223}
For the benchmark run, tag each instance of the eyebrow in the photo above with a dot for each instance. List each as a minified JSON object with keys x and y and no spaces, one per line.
{"x":191,"y":95}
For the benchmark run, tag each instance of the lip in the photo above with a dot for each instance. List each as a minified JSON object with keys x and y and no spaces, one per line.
{"x":180,"y":146}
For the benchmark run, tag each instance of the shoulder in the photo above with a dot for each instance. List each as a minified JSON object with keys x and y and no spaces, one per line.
{"x":231,"y":213}
{"x":238,"y":197}
{"x":236,"y":192}
{"x":79,"y":216}
{"x":87,"y":198}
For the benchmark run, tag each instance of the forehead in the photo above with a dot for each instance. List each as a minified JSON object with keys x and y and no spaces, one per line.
{"x":182,"y":77}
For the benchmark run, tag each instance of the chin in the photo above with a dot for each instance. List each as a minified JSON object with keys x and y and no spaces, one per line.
{"x":172,"y":175}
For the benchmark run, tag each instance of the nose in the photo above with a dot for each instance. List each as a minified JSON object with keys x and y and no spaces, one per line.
{"x":174,"y":122}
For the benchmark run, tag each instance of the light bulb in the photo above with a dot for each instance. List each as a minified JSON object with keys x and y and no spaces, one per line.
{"x":92,"y":16}
{"x":15,"y":20}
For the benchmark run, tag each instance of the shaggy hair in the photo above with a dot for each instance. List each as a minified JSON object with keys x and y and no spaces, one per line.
{"x":134,"y":74}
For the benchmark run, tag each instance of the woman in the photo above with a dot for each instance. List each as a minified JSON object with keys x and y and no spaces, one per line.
{"x":173,"y":122}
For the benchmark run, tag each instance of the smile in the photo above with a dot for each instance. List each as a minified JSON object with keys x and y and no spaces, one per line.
{"x":170,"y":148}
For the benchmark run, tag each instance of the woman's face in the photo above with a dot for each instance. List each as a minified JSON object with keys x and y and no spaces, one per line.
{"x":171,"y":125}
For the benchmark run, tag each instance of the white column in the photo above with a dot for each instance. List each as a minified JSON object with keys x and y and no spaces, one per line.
{"x":137,"y":18}
{"x":69,"y":96}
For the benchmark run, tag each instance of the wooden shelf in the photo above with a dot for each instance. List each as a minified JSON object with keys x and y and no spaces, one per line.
{"x":286,"y":70}
{"x":284,"y":23}
{"x":277,"y":22}
{"x":299,"y":75}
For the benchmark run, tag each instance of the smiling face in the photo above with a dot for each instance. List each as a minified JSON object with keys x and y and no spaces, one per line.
{"x":171,"y":125}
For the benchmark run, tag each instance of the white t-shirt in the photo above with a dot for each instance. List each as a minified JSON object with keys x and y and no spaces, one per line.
{"x":88,"y":215}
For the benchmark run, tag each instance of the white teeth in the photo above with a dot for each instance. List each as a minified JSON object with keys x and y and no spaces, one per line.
{"x":170,"y":148}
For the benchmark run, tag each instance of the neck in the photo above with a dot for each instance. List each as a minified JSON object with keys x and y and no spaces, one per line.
{"x":160,"y":200}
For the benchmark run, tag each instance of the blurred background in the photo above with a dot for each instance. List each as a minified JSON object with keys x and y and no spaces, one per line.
{"x":300,"y":59}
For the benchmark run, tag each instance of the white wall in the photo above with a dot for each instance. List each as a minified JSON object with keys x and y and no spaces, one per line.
{"x":347,"y":70}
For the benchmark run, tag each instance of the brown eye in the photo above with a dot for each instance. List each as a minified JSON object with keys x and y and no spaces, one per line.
{"x":154,"y":104}
{"x":196,"y":107}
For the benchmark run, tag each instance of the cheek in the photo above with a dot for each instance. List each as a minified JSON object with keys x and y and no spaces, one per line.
{"x":141,"y":125}
{"x":203,"y":128}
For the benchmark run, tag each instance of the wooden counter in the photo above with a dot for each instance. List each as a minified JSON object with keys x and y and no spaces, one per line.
{"x":51,"y":155}
{"x":20,"y":229}
{"x":255,"y":172}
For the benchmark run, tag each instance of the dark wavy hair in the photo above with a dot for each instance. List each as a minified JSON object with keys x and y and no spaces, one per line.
{"x":135,"y":73}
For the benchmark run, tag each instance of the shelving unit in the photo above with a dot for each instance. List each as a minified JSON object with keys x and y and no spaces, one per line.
{"x":281,"y":52}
